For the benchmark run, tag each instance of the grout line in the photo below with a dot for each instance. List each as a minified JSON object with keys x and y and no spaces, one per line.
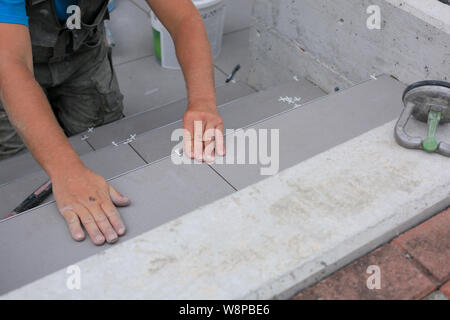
{"x":223,"y":178}
{"x":235,"y":31}
{"x":132,"y":60}
{"x":140,"y":156}
{"x":90,"y":145}
{"x":218,"y":68}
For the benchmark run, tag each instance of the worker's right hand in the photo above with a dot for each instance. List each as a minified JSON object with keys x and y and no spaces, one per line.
{"x":85,"y":198}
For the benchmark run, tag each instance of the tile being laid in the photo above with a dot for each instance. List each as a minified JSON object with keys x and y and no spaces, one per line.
{"x":24,"y":163}
{"x":316,"y":127}
{"x":37,"y":243}
{"x":158,"y":117}
{"x":237,"y":114}
{"x":108,"y":162}
{"x":130,"y":45}
{"x":146,"y":85}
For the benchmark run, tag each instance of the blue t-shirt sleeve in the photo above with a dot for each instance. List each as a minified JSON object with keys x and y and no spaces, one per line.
{"x":13,"y":11}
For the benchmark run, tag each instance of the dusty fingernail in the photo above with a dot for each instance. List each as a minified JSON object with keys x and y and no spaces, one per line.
{"x":99,"y":238}
{"x":112,"y":239}
{"x":121,"y":231}
{"x":79,"y":236}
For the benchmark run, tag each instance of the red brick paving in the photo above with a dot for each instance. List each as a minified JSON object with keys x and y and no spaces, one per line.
{"x":429,"y":245}
{"x":445,"y":289}
{"x":400,"y":279}
{"x":426,"y":268}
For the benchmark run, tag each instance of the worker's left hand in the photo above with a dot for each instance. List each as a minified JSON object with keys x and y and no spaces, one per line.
{"x":203,"y":131}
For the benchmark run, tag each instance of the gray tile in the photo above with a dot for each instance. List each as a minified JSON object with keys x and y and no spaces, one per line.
{"x":37,"y":243}
{"x":131,"y":29}
{"x":24,"y":163}
{"x":155,"y":118}
{"x":146,"y":85}
{"x":108,"y":162}
{"x":156,"y":144}
{"x":235,"y":50}
{"x":323,"y":124}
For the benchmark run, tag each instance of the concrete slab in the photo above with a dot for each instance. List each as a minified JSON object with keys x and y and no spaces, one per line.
{"x":108,"y":162}
{"x":130,"y":45}
{"x":235,"y":50}
{"x":320,"y":125}
{"x":37,"y":243}
{"x":237,"y":114}
{"x":158,"y":117}
{"x":146,"y":85}
{"x":24,"y":163}
{"x":269,"y":240}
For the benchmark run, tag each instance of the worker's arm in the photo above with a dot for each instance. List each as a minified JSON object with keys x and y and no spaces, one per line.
{"x":184,"y":23}
{"x":80,"y":193}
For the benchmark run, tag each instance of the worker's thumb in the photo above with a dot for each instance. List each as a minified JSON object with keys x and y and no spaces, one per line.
{"x":118,"y":199}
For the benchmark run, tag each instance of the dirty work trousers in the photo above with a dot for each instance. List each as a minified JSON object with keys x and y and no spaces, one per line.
{"x":82,"y":90}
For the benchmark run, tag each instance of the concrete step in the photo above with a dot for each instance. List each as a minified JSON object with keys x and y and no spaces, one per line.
{"x":266,"y":241}
{"x":24,"y":176}
{"x":108,"y":162}
{"x":157,"y":117}
{"x":24,"y":164}
{"x":163,"y":191}
{"x":319,"y":126}
{"x":238,"y":114}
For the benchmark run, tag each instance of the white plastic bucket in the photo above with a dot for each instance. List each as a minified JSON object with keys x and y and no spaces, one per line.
{"x":213,"y":14}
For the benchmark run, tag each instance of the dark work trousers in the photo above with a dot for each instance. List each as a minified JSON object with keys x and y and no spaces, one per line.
{"x":82,"y":90}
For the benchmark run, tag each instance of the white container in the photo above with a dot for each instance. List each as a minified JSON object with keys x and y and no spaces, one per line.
{"x":213,"y":14}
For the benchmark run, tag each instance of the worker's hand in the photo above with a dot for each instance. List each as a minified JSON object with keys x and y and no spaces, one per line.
{"x":85,"y":198}
{"x":203,"y":131}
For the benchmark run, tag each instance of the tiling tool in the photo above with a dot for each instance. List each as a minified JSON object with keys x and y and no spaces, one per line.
{"x":231,"y":75}
{"x":34,"y":199}
{"x":427,"y":101}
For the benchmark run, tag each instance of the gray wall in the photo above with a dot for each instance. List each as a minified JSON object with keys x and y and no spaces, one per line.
{"x":329,"y":43}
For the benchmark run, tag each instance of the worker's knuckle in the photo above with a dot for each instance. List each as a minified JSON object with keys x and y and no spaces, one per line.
{"x":100,"y":218}
{"x":88,"y":220}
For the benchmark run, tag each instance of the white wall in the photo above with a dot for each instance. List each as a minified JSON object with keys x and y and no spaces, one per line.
{"x":238,"y":14}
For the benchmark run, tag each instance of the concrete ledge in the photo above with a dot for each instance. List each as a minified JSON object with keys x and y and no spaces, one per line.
{"x":275,"y":237}
{"x":431,"y":11}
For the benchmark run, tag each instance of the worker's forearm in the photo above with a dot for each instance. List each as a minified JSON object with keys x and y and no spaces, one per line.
{"x":194,"y":54}
{"x":31,"y":115}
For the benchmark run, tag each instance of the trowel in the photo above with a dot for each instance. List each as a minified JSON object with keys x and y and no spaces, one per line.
{"x":429,"y":102}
